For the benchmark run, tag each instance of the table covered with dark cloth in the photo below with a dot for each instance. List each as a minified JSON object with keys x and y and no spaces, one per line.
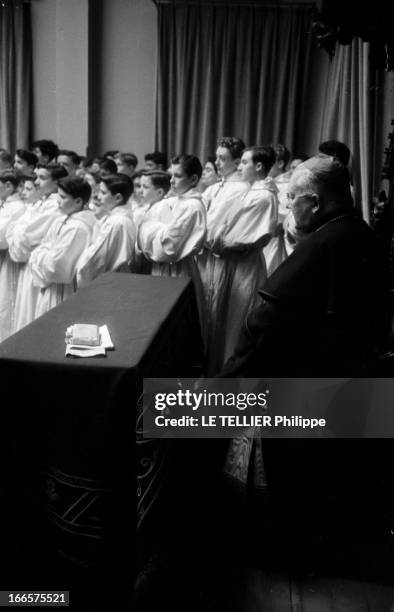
{"x":69,"y":423}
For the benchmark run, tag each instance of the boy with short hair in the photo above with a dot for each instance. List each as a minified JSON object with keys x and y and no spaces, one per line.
{"x":53,"y":263}
{"x":154,"y":187}
{"x":27,"y":233}
{"x":216,"y":266}
{"x":28,"y":190}
{"x":45,"y":150}
{"x":113,"y":247}
{"x":126,"y":163}
{"x":156,"y":161}
{"x":173,"y":230}
{"x":25,"y":162}
{"x":69,"y":160}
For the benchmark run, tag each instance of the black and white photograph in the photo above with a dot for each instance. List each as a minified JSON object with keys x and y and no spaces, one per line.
{"x":197,"y":305}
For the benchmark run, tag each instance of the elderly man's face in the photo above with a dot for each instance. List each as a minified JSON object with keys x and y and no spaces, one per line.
{"x":303,"y":204}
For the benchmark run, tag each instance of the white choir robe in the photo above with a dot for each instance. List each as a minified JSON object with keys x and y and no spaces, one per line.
{"x":140,"y":264}
{"x":23,"y":238}
{"x":171,"y":233}
{"x":275,"y":251}
{"x":138,"y":211}
{"x":112,"y":249}
{"x":11,"y":209}
{"x":53,"y":264}
{"x":32,"y":227}
{"x":97,"y":225}
{"x":232,"y":267}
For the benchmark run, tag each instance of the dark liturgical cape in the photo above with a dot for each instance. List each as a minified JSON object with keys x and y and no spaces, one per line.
{"x":322,"y":311}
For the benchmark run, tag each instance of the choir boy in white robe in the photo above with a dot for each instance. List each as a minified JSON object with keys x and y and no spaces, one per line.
{"x":27,"y":233}
{"x":11,"y":207}
{"x":173,"y":230}
{"x":245,"y":226}
{"x":213,"y":267}
{"x":113,"y":246}
{"x":53,"y":263}
{"x":154,"y":187}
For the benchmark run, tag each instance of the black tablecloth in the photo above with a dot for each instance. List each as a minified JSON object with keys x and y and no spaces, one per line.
{"x":69,"y":423}
{"x":74,"y":404}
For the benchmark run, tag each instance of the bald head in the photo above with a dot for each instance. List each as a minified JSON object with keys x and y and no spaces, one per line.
{"x":318,"y":187}
{"x":325,"y":176}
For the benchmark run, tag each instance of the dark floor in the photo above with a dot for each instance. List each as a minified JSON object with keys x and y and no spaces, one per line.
{"x":280,"y":555}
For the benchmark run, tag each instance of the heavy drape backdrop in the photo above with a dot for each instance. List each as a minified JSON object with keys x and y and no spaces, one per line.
{"x":15,"y":74}
{"x":255,"y":71}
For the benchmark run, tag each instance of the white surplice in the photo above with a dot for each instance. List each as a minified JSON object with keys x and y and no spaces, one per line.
{"x":171,"y":233}
{"x":10,"y":210}
{"x":53,"y":264}
{"x":25,"y":235}
{"x":138,"y":211}
{"x":140,"y":264}
{"x":231,"y":265}
{"x":32,"y":226}
{"x":112,"y":249}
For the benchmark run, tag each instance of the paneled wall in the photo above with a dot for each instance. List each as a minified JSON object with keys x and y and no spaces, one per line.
{"x":94,"y":73}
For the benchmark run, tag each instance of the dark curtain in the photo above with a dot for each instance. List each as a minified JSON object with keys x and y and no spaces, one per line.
{"x":352,"y":111}
{"x":231,"y":70}
{"x":15,"y":74}
{"x":256,"y":72}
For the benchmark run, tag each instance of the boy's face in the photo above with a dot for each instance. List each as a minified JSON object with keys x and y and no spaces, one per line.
{"x":67,"y":203}
{"x":42,"y":159}
{"x":224,"y":162}
{"x":67,"y":163}
{"x":44,"y":182}
{"x":21,"y":165}
{"x":247,"y":169}
{"x":150,"y":193}
{"x":150,"y":165}
{"x":209,"y":176}
{"x":137,"y":189}
{"x":105,"y":198}
{"x":124,"y":168}
{"x":180,"y":181}
{"x":29,"y":192}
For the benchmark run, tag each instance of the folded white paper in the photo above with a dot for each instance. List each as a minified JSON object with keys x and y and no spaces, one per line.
{"x":105,"y":337}
{"x":79,"y":350}
{"x":85,"y":352}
